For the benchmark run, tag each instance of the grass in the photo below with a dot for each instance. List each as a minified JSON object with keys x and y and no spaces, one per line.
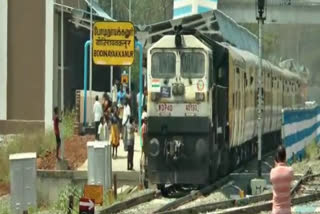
{"x":68,"y":124}
{"x":311,"y":160}
{"x":4,"y":206}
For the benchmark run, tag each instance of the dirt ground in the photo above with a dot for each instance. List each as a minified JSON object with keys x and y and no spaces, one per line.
{"x":4,"y":189}
{"x":75,"y":153}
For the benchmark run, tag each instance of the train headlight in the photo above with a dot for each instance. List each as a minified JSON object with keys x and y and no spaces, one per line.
{"x":200,"y":96}
{"x":181,"y":89}
{"x":154,"y":149}
{"x":175,"y":89}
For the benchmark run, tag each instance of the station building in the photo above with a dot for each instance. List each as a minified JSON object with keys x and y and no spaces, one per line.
{"x":30,"y":65}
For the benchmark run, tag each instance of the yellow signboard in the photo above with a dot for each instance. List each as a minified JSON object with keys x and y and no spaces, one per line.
{"x":113,"y":43}
{"x":94,"y":192}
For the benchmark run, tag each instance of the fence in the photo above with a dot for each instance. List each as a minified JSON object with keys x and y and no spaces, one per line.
{"x":300,"y":127}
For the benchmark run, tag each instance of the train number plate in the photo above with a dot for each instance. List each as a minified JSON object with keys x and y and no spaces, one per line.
{"x":192,"y":108}
{"x":163,"y":107}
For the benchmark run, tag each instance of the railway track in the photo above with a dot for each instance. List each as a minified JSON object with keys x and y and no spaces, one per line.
{"x":153,"y":202}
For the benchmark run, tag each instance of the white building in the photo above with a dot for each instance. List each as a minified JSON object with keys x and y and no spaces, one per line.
{"x":189,"y":7}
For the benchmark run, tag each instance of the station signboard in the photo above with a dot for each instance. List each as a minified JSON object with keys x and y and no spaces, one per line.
{"x":113,"y":43}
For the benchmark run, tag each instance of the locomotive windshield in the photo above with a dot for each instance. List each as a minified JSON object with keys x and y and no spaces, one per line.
{"x":192,"y":65}
{"x":163,"y":65}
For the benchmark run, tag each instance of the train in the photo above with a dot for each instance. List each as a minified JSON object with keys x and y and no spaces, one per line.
{"x":202,"y":107}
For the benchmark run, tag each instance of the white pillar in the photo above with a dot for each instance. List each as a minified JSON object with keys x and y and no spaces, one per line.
{"x":62,"y":56}
{"x":90,"y":56}
{"x":49,"y":26}
{"x":111,"y":67}
{"x":3,"y":58}
{"x":129,"y":82}
{"x":260,"y":86}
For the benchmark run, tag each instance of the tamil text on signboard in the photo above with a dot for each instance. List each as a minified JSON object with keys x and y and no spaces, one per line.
{"x":113,"y":43}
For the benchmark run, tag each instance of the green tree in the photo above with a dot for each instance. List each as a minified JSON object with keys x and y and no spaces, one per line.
{"x":270,"y":42}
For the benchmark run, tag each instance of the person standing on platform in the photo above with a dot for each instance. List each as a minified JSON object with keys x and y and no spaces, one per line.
{"x":144,"y":113}
{"x":103,"y":130}
{"x":106,"y":105}
{"x":98,"y":113}
{"x":281,"y":177}
{"x":130,"y":143}
{"x":56,"y":121}
{"x":121,"y":96}
{"x":115,"y":136}
{"x":114,"y":92}
{"x":125,"y":121}
{"x":144,"y":134}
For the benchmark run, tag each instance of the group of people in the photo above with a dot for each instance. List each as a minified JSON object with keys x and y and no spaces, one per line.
{"x":114,"y":116}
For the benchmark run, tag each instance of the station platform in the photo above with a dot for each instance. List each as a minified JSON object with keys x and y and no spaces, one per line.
{"x":119,"y":164}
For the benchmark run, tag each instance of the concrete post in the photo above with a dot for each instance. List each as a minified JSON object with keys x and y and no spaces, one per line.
{"x":100,"y":164}
{"x":260,"y":87}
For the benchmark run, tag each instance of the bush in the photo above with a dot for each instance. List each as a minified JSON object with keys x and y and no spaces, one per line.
{"x":4,"y":206}
{"x":312,"y":151}
{"x":63,"y":201}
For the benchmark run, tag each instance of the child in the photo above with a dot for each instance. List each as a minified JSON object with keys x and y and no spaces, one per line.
{"x":130,"y":143}
{"x":56,"y":122}
{"x":115,"y":136}
{"x":103,"y":131}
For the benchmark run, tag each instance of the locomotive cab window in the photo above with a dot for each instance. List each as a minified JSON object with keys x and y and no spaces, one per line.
{"x":163,"y":65}
{"x":192,"y":64}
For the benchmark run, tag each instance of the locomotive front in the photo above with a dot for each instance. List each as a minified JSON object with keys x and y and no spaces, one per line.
{"x":179,"y":111}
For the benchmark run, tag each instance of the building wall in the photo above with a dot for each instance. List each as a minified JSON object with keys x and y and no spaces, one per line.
{"x":49,"y":62}
{"x":26,"y":59}
{"x":3,"y":58}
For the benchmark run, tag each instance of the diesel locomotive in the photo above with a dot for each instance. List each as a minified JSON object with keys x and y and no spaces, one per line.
{"x":202,"y":100}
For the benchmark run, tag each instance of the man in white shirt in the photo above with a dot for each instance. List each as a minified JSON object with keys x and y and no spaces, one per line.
{"x":114,"y":93}
{"x":125,"y":121}
{"x":144,"y":113}
{"x":98,"y":113}
{"x":103,"y":131}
